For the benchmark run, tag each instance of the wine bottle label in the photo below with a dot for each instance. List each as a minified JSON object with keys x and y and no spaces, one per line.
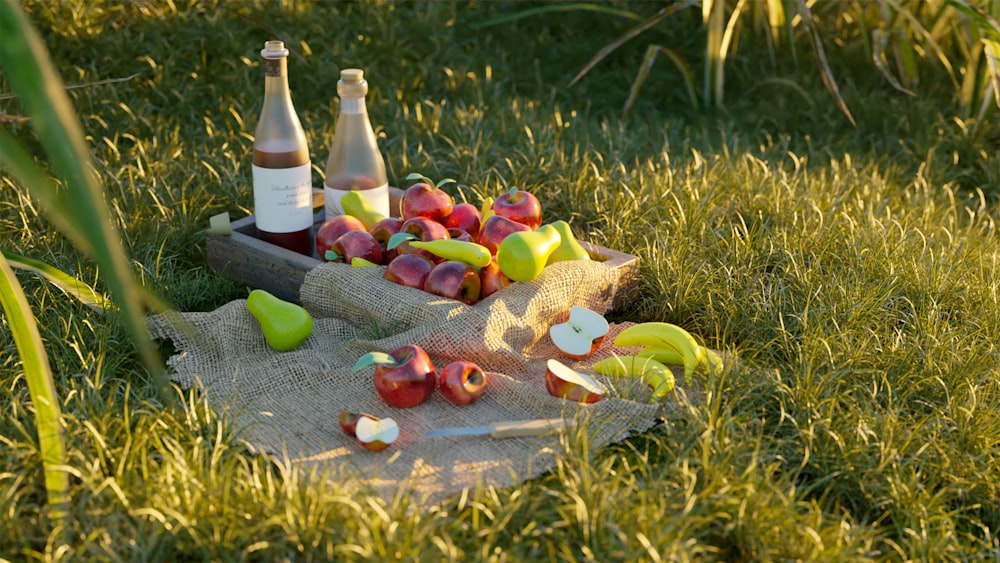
{"x":352,"y":106}
{"x":282,"y":198}
{"x":378,"y":197}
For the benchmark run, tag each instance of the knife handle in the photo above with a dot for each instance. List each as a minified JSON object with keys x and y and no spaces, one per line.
{"x":525,"y":427}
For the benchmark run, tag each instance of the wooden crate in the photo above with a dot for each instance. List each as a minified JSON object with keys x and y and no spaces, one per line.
{"x":244,"y":257}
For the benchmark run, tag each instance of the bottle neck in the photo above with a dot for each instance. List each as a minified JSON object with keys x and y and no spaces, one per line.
{"x":276,"y":80}
{"x":352,"y":105}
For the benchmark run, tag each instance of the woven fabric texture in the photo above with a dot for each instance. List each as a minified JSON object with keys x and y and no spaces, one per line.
{"x":287,"y":404}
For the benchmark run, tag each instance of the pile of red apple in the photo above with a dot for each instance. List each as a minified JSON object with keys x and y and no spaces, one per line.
{"x":403,"y":379}
{"x":428,"y":213}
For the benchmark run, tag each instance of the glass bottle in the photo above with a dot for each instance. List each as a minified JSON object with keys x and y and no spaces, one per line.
{"x":282,"y":176}
{"x":355,"y":162}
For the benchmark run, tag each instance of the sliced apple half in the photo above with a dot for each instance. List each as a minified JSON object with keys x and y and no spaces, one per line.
{"x":349,"y":421}
{"x":581,"y":334}
{"x":564,"y":381}
{"x":376,"y":434}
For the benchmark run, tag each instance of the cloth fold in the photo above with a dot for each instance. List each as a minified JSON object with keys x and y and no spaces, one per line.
{"x":288,"y":403}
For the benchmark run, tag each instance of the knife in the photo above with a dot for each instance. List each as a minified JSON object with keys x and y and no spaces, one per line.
{"x":510,"y":429}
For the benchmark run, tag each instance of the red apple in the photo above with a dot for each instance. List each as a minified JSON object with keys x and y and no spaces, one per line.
{"x":465,"y":217}
{"x":495,"y":229}
{"x":454,"y":280}
{"x":492,"y":279}
{"x":409,"y":269}
{"x":462,"y":382}
{"x":355,"y":244}
{"x":563,"y":381}
{"x":581,"y":334}
{"x":332,"y":228}
{"x":424,"y":200}
{"x":384,"y":229}
{"x":421,"y":228}
{"x":459,"y":234}
{"x":520,"y":206}
{"x":404,"y":378}
{"x":376,"y":434}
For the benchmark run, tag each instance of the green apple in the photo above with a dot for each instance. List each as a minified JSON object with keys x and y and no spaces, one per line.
{"x":285,"y":325}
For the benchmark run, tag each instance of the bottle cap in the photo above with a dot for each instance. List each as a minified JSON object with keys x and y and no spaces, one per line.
{"x":274,"y":50}
{"x":352,"y":83}
{"x":352,"y":75}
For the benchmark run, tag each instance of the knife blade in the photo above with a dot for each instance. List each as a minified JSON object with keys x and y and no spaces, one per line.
{"x":511,"y":429}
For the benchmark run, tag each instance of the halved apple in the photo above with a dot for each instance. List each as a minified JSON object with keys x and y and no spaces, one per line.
{"x":349,"y":421}
{"x":564,"y":381}
{"x":376,"y":434}
{"x":581,"y":334}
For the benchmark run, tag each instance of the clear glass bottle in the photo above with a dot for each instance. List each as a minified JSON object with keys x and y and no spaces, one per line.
{"x":355,"y":162}
{"x":282,"y":175}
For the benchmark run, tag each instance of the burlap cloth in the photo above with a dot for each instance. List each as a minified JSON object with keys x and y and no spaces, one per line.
{"x":287,"y":404}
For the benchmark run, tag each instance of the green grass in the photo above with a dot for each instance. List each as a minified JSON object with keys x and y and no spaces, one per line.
{"x":855,"y":272}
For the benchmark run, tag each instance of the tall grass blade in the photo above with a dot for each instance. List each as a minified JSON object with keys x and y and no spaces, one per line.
{"x":558,"y":7}
{"x":65,"y":282}
{"x":928,"y":39}
{"x":32,"y":76}
{"x":629,"y":35}
{"x":775,"y":19}
{"x":880,"y":58}
{"x":726,"y":41}
{"x":825,"y":71}
{"x":987,"y":47}
{"x":41,"y":387}
{"x":647,"y":66}
{"x":713,"y":14}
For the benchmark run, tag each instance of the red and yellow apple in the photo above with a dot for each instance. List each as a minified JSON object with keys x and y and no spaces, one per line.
{"x":462,"y":382}
{"x":564,"y":381}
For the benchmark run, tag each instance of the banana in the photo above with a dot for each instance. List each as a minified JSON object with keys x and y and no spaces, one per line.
{"x":713,"y":361}
{"x":664,"y":334}
{"x":709,"y":359}
{"x":652,"y":372}
{"x":663,"y":354}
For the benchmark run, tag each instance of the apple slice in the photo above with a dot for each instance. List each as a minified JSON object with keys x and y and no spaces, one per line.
{"x":349,"y":421}
{"x":581,"y":334}
{"x":376,"y":434}
{"x":564,"y":381}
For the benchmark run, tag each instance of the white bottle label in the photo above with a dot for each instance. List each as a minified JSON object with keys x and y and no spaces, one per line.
{"x":282,"y":198}
{"x":377,"y":197}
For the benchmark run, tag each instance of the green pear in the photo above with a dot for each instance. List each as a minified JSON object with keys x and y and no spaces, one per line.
{"x":569,"y":248}
{"x":355,"y":205}
{"x":285,"y":325}
{"x":522,"y":255}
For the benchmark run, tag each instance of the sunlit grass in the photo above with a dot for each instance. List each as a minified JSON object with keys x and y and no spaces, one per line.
{"x":853,"y":272}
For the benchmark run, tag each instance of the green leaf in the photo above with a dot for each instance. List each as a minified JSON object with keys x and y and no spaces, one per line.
{"x":397,"y":239}
{"x":373,"y":358}
{"x":67,"y":283}
{"x":41,"y":387}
